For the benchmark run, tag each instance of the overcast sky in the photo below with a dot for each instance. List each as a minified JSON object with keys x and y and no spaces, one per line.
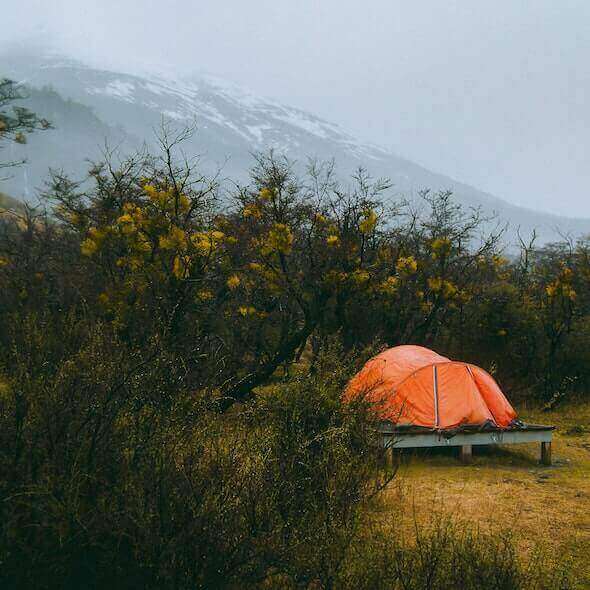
{"x":492,"y":93}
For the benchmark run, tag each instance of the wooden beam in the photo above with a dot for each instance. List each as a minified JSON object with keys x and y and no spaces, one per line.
{"x":389,"y":456}
{"x":466,"y":440}
{"x":546,"y":453}
{"x":466,"y":454}
{"x":403,"y":440}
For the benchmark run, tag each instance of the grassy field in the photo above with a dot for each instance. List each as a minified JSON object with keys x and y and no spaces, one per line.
{"x":507,"y":488}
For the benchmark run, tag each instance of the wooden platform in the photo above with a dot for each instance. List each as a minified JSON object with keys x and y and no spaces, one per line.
{"x":404,"y":438}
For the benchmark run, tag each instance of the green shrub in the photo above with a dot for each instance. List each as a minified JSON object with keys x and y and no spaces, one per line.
{"x":108,"y":486}
{"x":445,"y":556}
{"x":137,"y":312}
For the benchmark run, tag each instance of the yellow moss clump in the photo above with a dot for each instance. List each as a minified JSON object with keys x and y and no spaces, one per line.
{"x":368,"y":224}
{"x":279,"y":239}
{"x":389,"y":286}
{"x":440,"y":247}
{"x":175,"y":239}
{"x":426,"y":307}
{"x":265,"y":194}
{"x":92,"y":243}
{"x":126,"y":223}
{"x":332,"y":240}
{"x":183,"y":204}
{"x":167,"y":199}
{"x":499,"y":261}
{"x":561,"y":286}
{"x":204,"y":295}
{"x":359,"y":277}
{"x":88,"y":247}
{"x":406,"y":265}
{"x":207,"y":242}
{"x":435,"y":284}
{"x":449,"y":290}
{"x":233,"y":282}
{"x":442,"y":286}
{"x":181,"y":267}
{"x":75,"y":218}
{"x":252,"y":210}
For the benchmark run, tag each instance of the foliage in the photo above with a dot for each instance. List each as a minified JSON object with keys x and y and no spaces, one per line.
{"x":19,"y":121}
{"x":446,"y":557}
{"x":149,"y":248}
{"x":139,"y":307}
{"x":107,"y":486}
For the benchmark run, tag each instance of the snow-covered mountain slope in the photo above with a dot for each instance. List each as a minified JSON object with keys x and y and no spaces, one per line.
{"x":231,"y":124}
{"x":231,"y":121}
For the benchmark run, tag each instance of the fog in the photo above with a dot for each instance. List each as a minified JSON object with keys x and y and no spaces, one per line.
{"x":490,"y":93}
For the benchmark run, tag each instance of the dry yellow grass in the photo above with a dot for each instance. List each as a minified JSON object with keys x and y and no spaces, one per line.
{"x":507,"y":488}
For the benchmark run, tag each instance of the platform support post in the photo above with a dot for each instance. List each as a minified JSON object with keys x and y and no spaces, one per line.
{"x":466,"y":454}
{"x":389,"y":455}
{"x":546,"y":453}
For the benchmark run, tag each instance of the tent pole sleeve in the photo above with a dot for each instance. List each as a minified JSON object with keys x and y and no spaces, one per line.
{"x":435,"y":388}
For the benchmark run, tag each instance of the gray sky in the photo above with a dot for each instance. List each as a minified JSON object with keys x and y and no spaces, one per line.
{"x":491,"y":93}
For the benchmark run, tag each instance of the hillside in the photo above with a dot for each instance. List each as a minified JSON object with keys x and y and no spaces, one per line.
{"x":90,"y":105}
{"x":8,"y":203}
{"x":78,"y":136}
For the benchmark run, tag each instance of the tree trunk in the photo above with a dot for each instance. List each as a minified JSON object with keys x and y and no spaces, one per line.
{"x":243,"y":389}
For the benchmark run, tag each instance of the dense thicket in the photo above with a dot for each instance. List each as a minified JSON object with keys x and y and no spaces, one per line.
{"x":140,"y":306}
{"x":239,"y":290}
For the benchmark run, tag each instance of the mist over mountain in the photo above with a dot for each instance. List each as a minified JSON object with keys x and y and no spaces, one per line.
{"x":91,"y":108}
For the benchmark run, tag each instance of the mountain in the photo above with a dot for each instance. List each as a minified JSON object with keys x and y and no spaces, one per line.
{"x":89,"y":106}
{"x":8,"y":203}
{"x":77,"y":137}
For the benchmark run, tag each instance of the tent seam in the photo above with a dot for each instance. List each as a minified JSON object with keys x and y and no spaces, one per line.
{"x":435,"y":391}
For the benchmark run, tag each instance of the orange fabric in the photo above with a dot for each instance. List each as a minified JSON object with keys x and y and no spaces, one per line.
{"x":389,"y":368}
{"x":496,"y":401}
{"x":401,"y":383}
{"x":412,"y":402}
{"x":459,"y":399}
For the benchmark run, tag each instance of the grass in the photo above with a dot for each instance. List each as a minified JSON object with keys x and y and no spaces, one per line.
{"x":507,"y":488}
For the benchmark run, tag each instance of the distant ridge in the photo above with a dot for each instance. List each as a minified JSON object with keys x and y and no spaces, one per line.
{"x":90,"y":105}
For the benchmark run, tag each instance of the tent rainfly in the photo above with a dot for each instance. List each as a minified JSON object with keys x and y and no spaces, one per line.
{"x":415,"y":386}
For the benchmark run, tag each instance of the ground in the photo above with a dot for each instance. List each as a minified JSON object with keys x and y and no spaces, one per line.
{"x":506,"y":487}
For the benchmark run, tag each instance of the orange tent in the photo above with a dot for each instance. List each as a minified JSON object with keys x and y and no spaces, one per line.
{"x":412,"y":385}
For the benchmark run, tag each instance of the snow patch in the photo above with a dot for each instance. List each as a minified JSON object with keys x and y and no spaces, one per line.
{"x":237,"y":94}
{"x":118,"y":89}
{"x":304,"y":122}
{"x":175,"y":115}
{"x":155,"y":88}
{"x":258,"y":131}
